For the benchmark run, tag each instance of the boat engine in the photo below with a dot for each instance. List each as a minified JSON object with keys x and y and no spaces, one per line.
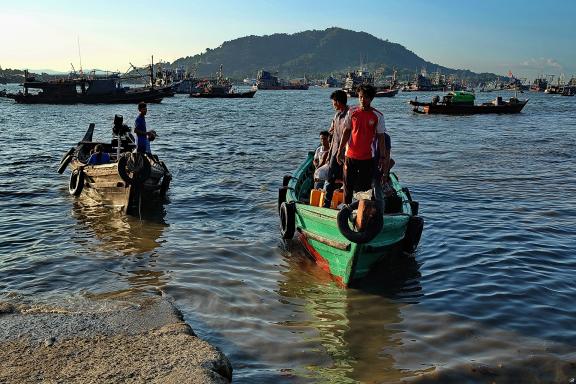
{"x":122,"y":132}
{"x":119,"y":128}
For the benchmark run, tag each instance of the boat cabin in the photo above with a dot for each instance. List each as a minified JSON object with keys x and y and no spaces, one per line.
{"x":459,"y":98}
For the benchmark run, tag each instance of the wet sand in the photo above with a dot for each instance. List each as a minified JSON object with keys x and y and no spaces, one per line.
{"x":104,"y":341}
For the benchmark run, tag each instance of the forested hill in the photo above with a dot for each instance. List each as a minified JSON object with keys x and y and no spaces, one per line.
{"x":311,"y":53}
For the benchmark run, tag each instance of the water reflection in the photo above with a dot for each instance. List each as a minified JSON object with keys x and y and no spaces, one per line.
{"x":117,"y":232}
{"x":107,"y":233}
{"x":358,"y":330}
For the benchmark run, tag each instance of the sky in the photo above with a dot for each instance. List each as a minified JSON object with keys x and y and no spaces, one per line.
{"x":527,"y":37}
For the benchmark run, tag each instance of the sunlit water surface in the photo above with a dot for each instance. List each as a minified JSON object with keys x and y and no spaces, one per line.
{"x":491,"y":285}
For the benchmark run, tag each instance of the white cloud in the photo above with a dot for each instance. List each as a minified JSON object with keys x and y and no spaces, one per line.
{"x":541,"y":63}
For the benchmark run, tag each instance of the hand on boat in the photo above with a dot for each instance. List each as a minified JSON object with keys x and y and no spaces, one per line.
{"x":383,"y":165}
{"x":340,"y":158}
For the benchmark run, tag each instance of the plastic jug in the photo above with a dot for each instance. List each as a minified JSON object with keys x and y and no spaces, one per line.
{"x":315,"y":197}
{"x":337,"y":198}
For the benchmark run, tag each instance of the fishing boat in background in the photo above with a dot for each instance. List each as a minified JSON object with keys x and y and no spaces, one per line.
{"x":265,"y":80}
{"x":386,"y":92}
{"x":129,"y":182}
{"x":462,"y":103}
{"x":539,"y":85}
{"x":422,"y":83}
{"x":348,"y":254}
{"x":363,"y":76}
{"x":94,"y":89}
{"x":219,"y":88}
{"x":354,"y":79}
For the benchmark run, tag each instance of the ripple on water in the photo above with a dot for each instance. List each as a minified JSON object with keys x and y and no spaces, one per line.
{"x":488,"y":296}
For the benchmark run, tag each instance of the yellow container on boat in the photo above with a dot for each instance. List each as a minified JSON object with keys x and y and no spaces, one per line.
{"x":337,"y":198}
{"x":316,"y":197}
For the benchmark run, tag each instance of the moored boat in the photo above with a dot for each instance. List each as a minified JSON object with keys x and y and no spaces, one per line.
{"x":462,"y":103}
{"x":129,"y":182}
{"x":386,"y":92}
{"x":85,"y":90}
{"x":347,"y":254}
{"x":265,"y":80}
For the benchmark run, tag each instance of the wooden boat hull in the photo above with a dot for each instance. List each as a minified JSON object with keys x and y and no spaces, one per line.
{"x":237,"y":95}
{"x":455,"y":109}
{"x":129,"y":97}
{"x":387,"y":93}
{"x":130,"y":182}
{"x":103,"y":184}
{"x":318,"y":231}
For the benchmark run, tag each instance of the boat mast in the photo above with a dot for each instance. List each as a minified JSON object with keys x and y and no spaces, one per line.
{"x":152,"y":72}
{"x":80,"y":56}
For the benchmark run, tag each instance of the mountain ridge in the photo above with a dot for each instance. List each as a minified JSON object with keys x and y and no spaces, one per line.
{"x":313,"y":53}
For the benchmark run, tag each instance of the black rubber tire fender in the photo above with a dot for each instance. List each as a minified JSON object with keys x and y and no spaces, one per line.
{"x":66,"y":159}
{"x":407,"y":192}
{"x":76,"y":183}
{"x":166,"y":179}
{"x":413,"y":234}
{"x":282,"y":191}
{"x":285,"y":180}
{"x":138,"y":177}
{"x":414,"y":207}
{"x":343,"y":220}
{"x":287,"y":219}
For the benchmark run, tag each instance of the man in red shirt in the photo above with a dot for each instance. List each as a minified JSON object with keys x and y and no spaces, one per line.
{"x":364,"y":137}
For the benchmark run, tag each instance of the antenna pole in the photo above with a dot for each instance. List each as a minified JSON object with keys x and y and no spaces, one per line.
{"x":152,"y":72}
{"x":80,"y":55}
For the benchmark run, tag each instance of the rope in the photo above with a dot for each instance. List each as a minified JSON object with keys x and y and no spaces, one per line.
{"x":140,"y":205}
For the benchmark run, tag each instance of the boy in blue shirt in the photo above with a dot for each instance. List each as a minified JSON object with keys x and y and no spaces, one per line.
{"x":142,"y":136}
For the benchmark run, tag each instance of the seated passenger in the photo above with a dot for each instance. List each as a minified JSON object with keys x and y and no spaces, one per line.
{"x":99,"y":156}
{"x":320,"y":157}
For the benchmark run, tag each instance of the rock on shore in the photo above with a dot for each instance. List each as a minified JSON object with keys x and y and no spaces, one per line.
{"x":105,"y":341}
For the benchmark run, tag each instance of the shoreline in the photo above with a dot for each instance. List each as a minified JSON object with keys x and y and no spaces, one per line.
{"x":105,"y":341}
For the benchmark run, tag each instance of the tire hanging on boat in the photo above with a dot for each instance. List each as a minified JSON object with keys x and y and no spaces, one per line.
{"x":372,"y":229}
{"x":65,"y":161}
{"x":134,"y":168}
{"x":281,"y":196}
{"x":287,"y":219}
{"x":414,"y":207}
{"x":76,"y":183}
{"x":286,"y":180}
{"x":407,"y":193}
{"x":165,"y":180}
{"x":413,"y":234}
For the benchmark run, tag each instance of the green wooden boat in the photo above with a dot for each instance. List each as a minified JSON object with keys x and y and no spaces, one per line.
{"x":346,"y":257}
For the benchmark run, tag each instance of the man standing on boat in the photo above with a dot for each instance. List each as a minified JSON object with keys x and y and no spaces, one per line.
{"x":339,"y":102}
{"x":364,"y":130}
{"x":142,"y":136}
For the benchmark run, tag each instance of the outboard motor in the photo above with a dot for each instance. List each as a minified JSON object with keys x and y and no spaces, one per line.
{"x":119,"y":128}
{"x":122,"y":134}
{"x":118,"y":120}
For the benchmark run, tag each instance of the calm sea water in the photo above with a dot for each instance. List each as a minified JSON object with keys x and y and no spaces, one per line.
{"x":490,"y":290}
